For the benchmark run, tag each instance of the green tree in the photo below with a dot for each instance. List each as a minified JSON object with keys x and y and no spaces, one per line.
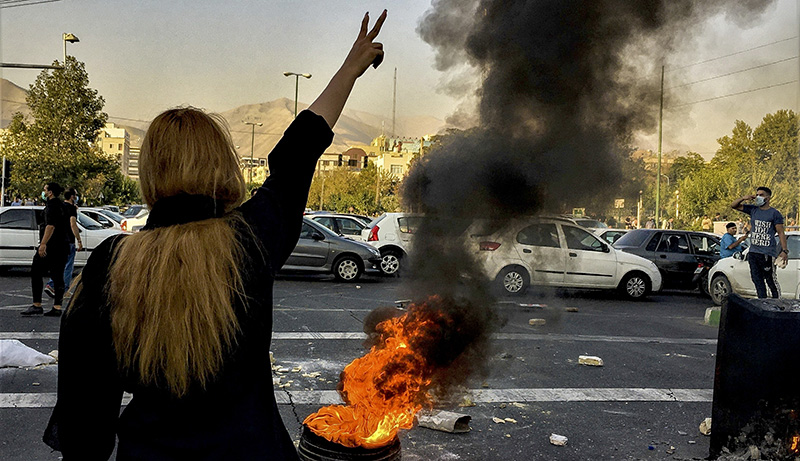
{"x":341,"y":189}
{"x":58,"y":143}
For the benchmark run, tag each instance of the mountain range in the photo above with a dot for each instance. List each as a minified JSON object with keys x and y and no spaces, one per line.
{"x":354,"y":127}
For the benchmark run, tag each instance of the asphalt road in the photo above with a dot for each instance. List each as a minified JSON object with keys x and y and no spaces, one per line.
{"x":646,"y":402}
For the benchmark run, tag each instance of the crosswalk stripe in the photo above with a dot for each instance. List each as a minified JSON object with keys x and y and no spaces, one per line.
{"x":330,"y":397}
{"x":351,"y":335}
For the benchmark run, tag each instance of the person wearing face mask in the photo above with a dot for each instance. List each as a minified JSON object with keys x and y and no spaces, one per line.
{"x":74,"y":236}
{"x":765,"y":222}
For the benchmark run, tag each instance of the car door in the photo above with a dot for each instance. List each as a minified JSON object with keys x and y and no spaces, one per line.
{"x":539,"y":245}
{"x":590,"y":263}
{"x":310,"y":252}
{"x":19,"y":236}
{"x":675,"y":260}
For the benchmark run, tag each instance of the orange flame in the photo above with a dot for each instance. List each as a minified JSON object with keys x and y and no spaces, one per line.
{"x":385,"y":388}
{"x":795,"y":445}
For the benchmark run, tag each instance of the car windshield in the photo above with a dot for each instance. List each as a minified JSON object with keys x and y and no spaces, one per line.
{"x":132,"y":211}
{"x":88,"y":223}
{"x":115,"y":216}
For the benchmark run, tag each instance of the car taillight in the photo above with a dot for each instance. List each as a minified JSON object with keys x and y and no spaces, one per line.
{"x":373,"y":234}
{"x":489,"y":246}
{"x":124,"y":224}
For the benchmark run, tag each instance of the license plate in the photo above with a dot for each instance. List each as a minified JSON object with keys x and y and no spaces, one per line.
{"x":698,"y":270}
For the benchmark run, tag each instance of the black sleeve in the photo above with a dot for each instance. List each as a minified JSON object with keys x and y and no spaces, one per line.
{"x":83,"y":425}
{"x":275,"y":212}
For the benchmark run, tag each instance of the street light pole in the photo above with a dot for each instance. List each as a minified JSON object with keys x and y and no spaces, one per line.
{"x":296,"y":86}
{"x":252,"y":147}
{"x":65,"y":37}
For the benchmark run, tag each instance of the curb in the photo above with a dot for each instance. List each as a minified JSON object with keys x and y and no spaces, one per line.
{"x":712,"y":316}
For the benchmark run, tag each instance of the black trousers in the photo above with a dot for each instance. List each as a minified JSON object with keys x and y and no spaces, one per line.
{"x":51,"y":266}
{"x":762,"y":272}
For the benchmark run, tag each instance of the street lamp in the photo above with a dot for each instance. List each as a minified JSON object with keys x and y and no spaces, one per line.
{"x":65,"y":37}
{"x":296,"y":85}
{"x":252,"y":143}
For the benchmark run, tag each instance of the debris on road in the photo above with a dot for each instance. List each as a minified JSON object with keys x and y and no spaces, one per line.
{"x":532,"y":305}
{"x":314,"y":374}
{"x":682,"y":433}
{"x":518,"y":405}
{"x":510,"y":420}
{"x":466,"y":402}
{"x":705,"y":427}
{"x":498,"y":420}
{"x":296,"y":369}
{"x":590,"y":360}
{"x":271,"y":358}
{"x":13,"y":353}
{"x":54,"y":354}
{"x":537,"y":322}
{"x":571,"y":309}
{"x":446,"y":421}
{"x":558,"y":440}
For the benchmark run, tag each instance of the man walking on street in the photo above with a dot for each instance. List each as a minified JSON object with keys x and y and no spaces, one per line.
{"x":74,"y":235}
{"x":765,"y":222}
{"x":51,"y":257}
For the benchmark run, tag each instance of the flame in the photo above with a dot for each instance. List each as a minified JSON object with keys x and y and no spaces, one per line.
{"x":385,"y":388}
{"x":795,"y":445}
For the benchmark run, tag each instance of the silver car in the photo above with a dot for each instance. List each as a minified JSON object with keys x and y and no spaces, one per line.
{"x":320,"y":250}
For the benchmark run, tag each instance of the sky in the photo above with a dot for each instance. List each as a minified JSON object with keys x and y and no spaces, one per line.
{"x":146,"y":56}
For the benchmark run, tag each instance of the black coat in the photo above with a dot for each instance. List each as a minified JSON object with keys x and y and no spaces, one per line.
{"x":236,"y":416}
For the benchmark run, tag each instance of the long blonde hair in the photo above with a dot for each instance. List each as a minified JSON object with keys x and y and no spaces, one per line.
{"x":172,"y":288}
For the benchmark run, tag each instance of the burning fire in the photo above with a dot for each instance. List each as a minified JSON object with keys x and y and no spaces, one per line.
{"x":384,"y":389}
{"x":794,"y":447}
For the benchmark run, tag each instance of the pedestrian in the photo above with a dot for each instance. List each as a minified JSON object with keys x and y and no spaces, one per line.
{"x":180,"y":313}
{"x":17,"y":201}
{"x":765,"y":222}
{"x":650,"y":224}
{"x":729,"y":243}
{"x":670,"y":223}
{"x":75,"y":242}
{"x":706,"y":224}
{"x":739,"y":226}
{"x":51,"y":256}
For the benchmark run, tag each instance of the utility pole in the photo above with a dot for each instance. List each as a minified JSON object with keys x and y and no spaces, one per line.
{"x":660,"y":123}
{"x":394,"y":103}
{"x":252,"y":147}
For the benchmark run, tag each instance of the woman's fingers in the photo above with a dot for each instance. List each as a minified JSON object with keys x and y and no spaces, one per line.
{"x":377,"y":27}
{"x":364,"y":24}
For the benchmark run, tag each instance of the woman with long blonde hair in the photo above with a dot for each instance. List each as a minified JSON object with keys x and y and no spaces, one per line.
{"x":180,"y":314}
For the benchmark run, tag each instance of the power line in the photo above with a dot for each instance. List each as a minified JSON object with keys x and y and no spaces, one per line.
{"x":733,"y":54}
{"x":734,"y":94}
{"x":16,"y":3}
{"x":232,"y":131}
{"x":734,"y":72}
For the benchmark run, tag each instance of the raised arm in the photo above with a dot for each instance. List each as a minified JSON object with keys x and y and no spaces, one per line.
{"x":364,"y":52}
{"x":737,"y":204}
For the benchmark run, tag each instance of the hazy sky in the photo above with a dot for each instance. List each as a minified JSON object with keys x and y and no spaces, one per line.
{"x":146,"y":56}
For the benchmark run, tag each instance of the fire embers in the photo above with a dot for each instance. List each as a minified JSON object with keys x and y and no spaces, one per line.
{"x":384,"y":389}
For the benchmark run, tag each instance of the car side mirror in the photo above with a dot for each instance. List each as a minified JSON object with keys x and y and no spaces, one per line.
{"x":606,"y":249}
{"x":738,"y":255}
{"x":317,"y":236}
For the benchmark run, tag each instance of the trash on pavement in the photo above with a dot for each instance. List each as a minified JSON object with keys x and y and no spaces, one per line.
{"x":446,"y":421}
{"x":590,"y":360}
{"x":466,"y":402}
{"x":498,"y":420}
{"x":571,"y":309}
{"x":705,"y":427}
{"x":54,"y":354}
{"x":510,"y":420}
{"x":537,"y":322}
{"x":558,"y":440}
{"x":13,"y":353}
{"x":532,"y":305}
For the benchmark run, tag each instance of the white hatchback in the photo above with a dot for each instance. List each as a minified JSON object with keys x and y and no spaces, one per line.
{"x":555,"y":252}
{"x":732,"y":275}
{"x":19,"y":235}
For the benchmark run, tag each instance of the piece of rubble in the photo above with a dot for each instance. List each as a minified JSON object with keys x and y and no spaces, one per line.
{"x":753,"y":452}
{"x":283,"y":370}
{"x":296,"y":369}
{"x":518,"y":405}
{"x":54,"y":354}
{"x":682,"y":433}
{"x":691,"y":442}
{"x":558,"y":440}
{"x":498,"y":420}
{"x":705,"y":427}
{"x":536,"y":322}
{"x":313,"y":374}
{"x":510,"y":420}
{"x":276,"y":381}
{"x":446,"y":421}
{"x":571,"y":309}
{"x":466,"y":402}
{"x":532,"y":305}
{"x":590,"y":360}
{"x":508,"y":436}
{"x":271,"y":358}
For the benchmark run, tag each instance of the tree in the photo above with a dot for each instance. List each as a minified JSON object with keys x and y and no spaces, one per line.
{"x":58,"y":143}
{"x":340,"y":189}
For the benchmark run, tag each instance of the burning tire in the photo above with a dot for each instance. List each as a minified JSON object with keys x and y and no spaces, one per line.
{"x":391,"y":262}
{"x":720,"y":289}
{"x":347,"y":269}
{"x":635,"y":286}
{"x":513,"y":280}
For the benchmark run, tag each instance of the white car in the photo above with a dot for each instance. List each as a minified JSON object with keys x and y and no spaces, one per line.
{"x":609,"y":235}
{"x":135,"y":218}
{"x":19,"y":235}
{"x":555,"y":252}
{"x":732,"y":275}
{"x":345,"y":225}
{"x":106,"y":218}
{"x":392,"y":234}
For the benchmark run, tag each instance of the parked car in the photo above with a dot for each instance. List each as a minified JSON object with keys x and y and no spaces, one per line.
{"x":347,"y":226}
{"x":135,"y":218}
{"x":588,"y":223}
{"x":106,"y":218}
{"x":19,"y":235}
{"x":609,"y":235}
{"x":732,"y":275}
{"x":392,"y":234}
{"x":683,"y":257}
{"x":556,"y":252}
{"x":321,"y":250}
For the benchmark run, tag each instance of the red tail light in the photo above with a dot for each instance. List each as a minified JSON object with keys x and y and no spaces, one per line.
{"x":124,"y":224}
{"x":489,"y":246}
{"x":373,"y":234}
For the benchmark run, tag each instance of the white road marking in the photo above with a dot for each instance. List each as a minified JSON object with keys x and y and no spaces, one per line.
{"x":354,"y":335}
{"x":329,"y":397}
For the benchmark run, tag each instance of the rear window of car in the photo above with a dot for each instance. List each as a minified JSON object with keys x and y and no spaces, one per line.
{"x":542,"y":234}
{"x":704,"y":245}
{"x":408,"y":224}
{"x":633,"y":238}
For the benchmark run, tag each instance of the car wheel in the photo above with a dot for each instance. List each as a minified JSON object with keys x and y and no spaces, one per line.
{"x":390,"y":262}
{"x":513,"y":280}
{"x":347,"y":269}
{"x":720,"y":289}
{"x":635,"y":285}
